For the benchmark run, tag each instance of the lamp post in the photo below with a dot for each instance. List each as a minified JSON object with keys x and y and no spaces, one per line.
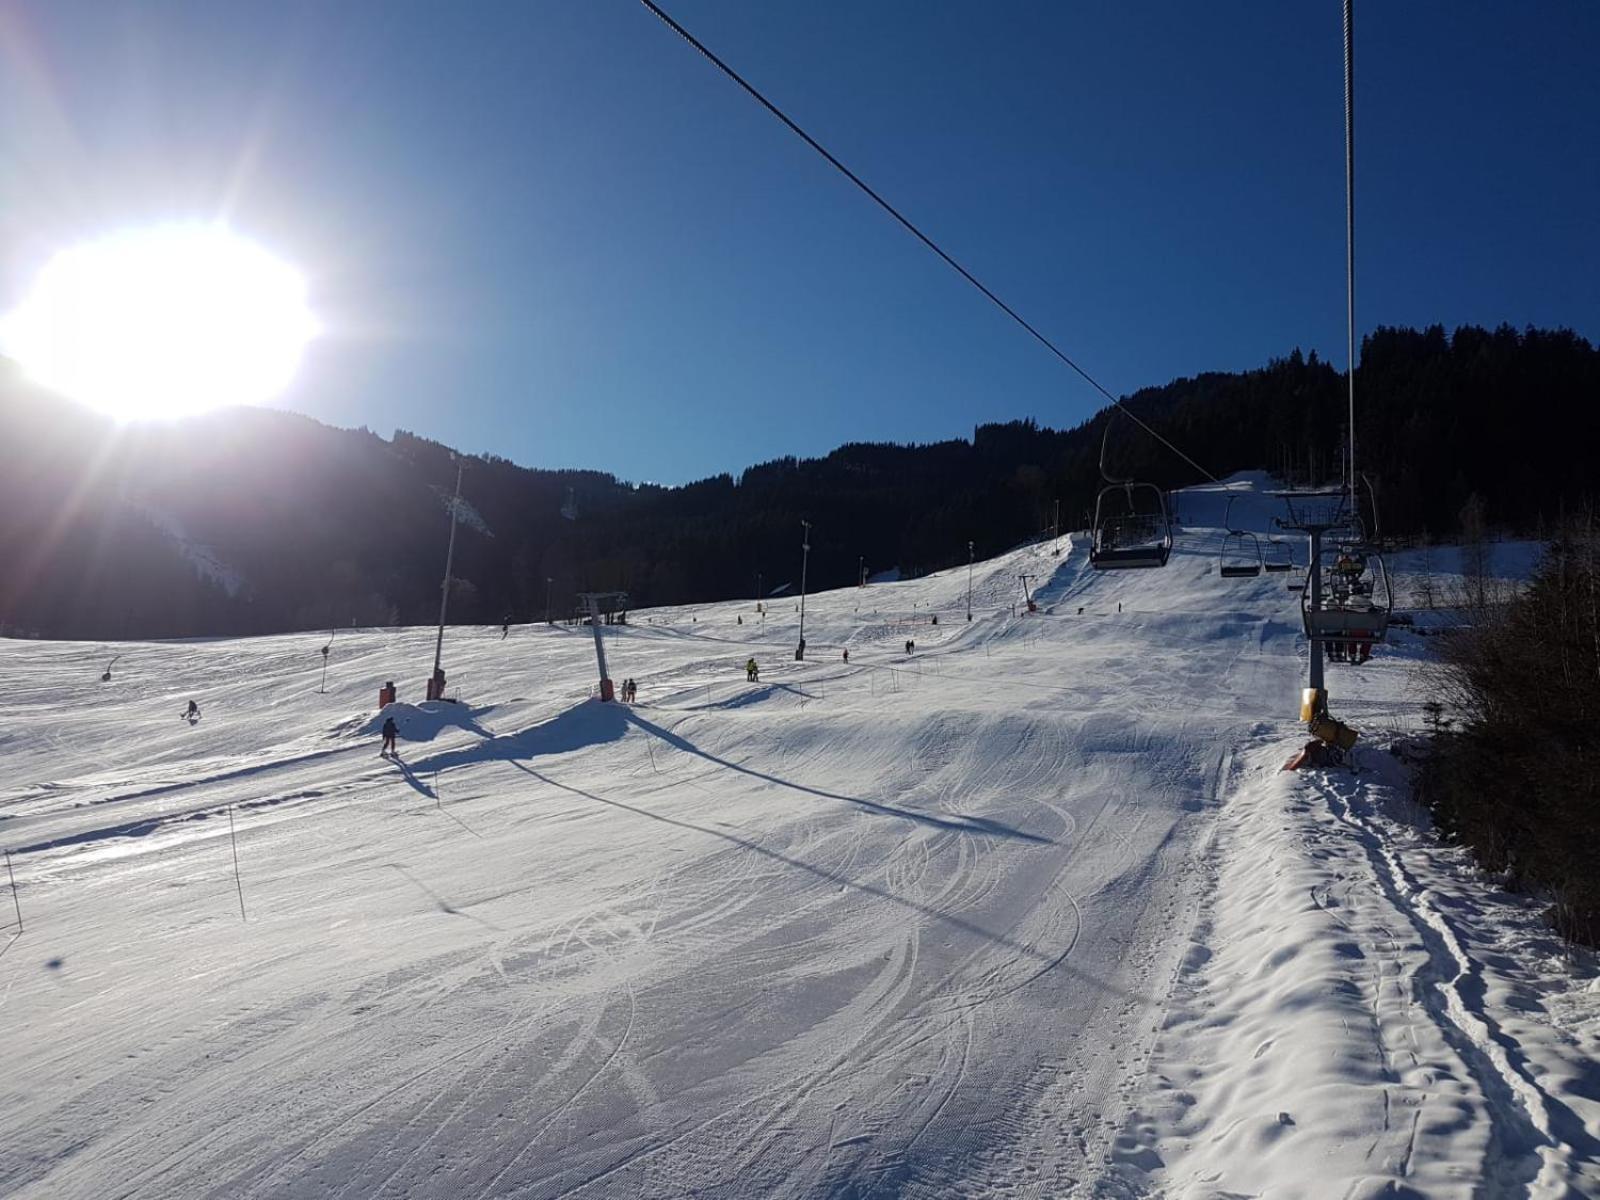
{"x":969,"y":581}
{"x":805,"y":558}
{"x":436,"y":683}
{"x":861,"y":570}
{"x":549,"y":583}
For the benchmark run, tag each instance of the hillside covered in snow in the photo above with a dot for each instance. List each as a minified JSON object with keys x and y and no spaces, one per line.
{"x":1024,"y":908}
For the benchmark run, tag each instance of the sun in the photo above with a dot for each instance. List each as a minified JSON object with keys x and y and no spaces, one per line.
{"x":162,"y":322}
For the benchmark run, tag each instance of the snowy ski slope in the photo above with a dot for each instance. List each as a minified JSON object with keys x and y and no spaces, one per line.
{"x":919,"y":924}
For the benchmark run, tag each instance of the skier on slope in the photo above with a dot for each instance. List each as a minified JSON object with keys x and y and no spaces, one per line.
{"x":505,"y":629}
{"x":752,"y":672}
{"x":390,"y":732}
{"x":192,"y":713}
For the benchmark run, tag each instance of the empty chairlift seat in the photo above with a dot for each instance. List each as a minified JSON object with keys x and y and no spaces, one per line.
{"x":1131,"y":528}
{"x":1241,"y":555}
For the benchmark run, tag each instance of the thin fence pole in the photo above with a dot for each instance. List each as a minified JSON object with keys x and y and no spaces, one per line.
{"x":15,"y":903}
{"x":238,"y":883}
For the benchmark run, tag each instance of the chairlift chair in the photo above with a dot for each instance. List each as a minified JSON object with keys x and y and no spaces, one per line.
{"x":1357,"y":600}
{"x":1132,"y":527}
{"x":1278,"y":556}
{"x":1127,"y":536}
{"x":1241,"y":555}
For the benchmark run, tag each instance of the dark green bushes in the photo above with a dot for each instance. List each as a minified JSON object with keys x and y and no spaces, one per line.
{"x":1515,"y":773}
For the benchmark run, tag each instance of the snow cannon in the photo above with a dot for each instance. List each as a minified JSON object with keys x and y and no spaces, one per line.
{"x":1314,"y":712}
{"x":1335,"y":733}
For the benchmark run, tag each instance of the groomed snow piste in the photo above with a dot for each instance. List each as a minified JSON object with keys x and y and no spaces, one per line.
{"x":1028,"y":911}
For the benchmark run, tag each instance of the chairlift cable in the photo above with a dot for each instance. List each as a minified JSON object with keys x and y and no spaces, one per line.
{"x":914,"y":231}
{"x":1350,"y":230}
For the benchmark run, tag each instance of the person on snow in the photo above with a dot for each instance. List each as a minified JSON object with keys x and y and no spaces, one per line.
{"x":847,"y":654}
{"x":752,"y":673}
{"x":390,"y":732}
{"x":505,"y":629}
{"x":192,"y":714}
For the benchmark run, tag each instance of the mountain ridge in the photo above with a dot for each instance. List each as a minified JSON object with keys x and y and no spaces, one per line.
{"x":250,"y":520}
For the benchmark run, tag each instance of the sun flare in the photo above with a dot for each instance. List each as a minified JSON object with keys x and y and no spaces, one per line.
{"x":162,"y":322}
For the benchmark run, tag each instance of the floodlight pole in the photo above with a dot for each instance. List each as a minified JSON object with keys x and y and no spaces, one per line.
{"x":969,"y":581}
{"x":549,"y":584}
{"x":805,"y":558}
{"x":449,"y":561}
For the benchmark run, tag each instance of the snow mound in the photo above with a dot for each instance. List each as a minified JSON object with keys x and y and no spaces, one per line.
{"x":426,"y":721}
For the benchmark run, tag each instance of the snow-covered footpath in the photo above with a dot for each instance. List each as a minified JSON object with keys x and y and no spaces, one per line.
{"x":1025,"y":911}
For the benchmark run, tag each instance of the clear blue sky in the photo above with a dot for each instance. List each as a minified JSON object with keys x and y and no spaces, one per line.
{"x":548,"y":229}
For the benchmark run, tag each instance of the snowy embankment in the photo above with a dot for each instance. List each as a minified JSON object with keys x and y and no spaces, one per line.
{"x":1359,"y":1012}
{"x":1023,"y":912}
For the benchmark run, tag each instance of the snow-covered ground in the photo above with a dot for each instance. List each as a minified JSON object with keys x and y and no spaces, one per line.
{"x":1027,"y":911}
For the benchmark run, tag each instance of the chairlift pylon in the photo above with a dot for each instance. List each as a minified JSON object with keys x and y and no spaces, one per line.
{"x":1357,"y":596}
{"x":1132,"y":528}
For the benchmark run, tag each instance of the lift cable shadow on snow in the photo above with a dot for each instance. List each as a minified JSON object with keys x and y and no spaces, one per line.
{"x":1048,"y":961}
{"x":821,"y":872}
{"x":980,"y":825}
